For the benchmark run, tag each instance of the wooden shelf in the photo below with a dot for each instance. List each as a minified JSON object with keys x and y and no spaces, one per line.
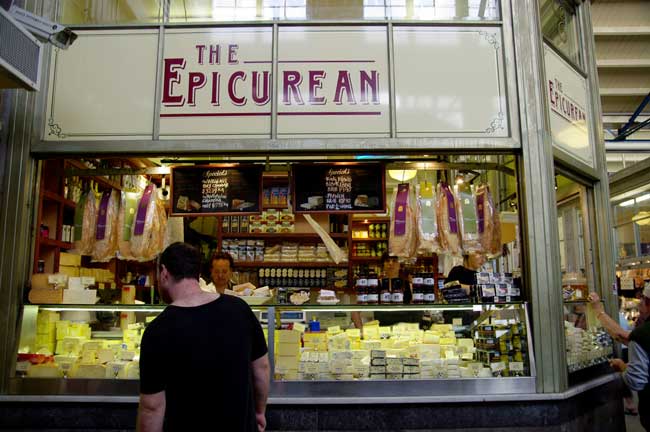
{"x":369,"y":239}
{"x":97,"y":179}
{"x":55,"y":243}
{"x":51,"y":196}
{"x":366,"y":259}
{"x":273,"y":207}
{"x":256,"y":264}
{"x":282,"y":236}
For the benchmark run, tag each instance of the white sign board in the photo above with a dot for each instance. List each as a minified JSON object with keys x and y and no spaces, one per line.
{"x":103,"y":87}
{"x":333,"y":82}
{"x":566,"y":94}
{"x":216,"y":83}
{"x":450,"y":82}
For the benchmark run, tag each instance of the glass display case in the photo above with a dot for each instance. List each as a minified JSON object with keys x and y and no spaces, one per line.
{"x":314,"y":349}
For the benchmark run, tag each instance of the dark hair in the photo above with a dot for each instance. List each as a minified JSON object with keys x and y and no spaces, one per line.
{"x":182,"y":261}
{"x":222,"y":256}
{"x":386,"y":256}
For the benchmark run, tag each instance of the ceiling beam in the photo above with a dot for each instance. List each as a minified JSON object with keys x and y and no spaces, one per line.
{"x":621,"y":30}
{"x":615,"y":91}
{"x":623,"y":63}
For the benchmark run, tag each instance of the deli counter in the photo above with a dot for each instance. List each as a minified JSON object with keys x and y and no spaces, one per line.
{"x":315,"y":350}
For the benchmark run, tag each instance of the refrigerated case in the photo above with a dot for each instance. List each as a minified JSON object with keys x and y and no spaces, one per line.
{"x":431,"y":353}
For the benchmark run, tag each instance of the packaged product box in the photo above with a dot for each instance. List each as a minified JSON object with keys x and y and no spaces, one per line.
{"x":69,"y":259}
{"x":69,"y":271}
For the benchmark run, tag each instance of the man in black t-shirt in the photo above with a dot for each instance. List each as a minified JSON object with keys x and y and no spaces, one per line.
{"x":203,"y":360}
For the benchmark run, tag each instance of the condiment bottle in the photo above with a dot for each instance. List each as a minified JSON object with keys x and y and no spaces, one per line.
{"x":397,"y":295}
{"x":373,"y":289}
{"x":362,"y":289}
{"x":418,"y":289}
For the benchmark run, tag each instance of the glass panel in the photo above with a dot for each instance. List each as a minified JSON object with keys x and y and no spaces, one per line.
{"x":559,"y":25}
{"x":644,"y":236}
{"x":78,"y":12}
{"x":245,"y":10}
{"x":469,"y":342}
{"x":625,"y":243}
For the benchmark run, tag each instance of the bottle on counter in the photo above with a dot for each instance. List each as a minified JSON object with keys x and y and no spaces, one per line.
{"x":362,"y":289}
{"x":373,"y":289}
{"x":397,"y":291}
{"x":429,"y":288}
{"x":418,"y":289}
{"x":385,"y":296}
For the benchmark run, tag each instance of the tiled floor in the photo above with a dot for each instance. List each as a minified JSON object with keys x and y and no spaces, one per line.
{"x":632,"y":423}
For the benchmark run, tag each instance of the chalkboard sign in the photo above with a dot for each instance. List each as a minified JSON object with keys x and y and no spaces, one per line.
{"x":339,"y":188}
{"x":205,"y":190}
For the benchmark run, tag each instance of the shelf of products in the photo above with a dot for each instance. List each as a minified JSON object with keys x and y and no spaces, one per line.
{"x":281,"y":236}
{"x":255,"y":264}
{"x":329,"y":349}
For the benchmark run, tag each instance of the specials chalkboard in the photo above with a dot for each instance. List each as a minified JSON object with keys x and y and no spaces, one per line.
{"x":338,"y":188}
{"x":208,"y":190}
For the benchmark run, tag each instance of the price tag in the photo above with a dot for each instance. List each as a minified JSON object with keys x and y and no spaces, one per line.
{"x":516,"y":366}
{"x":22,"y":366}
{"x":299,"y":327}
{"x":457,"y":322}
{"x":65,"y":366}
{"x":498,"y":366}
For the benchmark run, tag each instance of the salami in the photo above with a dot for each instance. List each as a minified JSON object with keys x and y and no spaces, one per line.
{"x":85,"y":221}
{"x":447,"y":215}
{"x":402,"y":241}
{"x":468,"y":222}
{"x":489,"y":224}
{"x":428,"y":236}
{"x":105,"y":245}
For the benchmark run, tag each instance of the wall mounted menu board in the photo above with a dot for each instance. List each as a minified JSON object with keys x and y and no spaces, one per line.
{"x":339,"y":187}
{"x":204,"y":190}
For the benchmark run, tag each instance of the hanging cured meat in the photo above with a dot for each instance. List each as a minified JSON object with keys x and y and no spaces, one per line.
{"x":428,"y":236}
{"x":489,"y":224}
{"x":105,"y":245}
{"x":128,"y":208}
{"x":468,"y":222}
{"x":402,"y":240}
{"x":85,"y":220}
{"x":447,"y":214}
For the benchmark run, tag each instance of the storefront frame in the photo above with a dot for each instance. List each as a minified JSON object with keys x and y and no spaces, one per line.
{"x":528,"y":123}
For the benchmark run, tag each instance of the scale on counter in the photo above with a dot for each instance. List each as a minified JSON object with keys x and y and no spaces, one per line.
{"x":293,"y":316}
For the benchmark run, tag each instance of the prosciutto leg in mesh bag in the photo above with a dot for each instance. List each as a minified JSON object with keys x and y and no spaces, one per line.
{"x":428,"y":236}
{"x":447,"y":214}
{"x":402,"y":240}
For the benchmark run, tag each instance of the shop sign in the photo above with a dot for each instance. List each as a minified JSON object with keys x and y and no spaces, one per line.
{"x":216,"y":83}
{"x":333,"y":81}
{"x":566,"y":94}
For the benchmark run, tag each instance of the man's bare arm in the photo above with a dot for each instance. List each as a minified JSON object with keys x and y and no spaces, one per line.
{"x":151,"y":412}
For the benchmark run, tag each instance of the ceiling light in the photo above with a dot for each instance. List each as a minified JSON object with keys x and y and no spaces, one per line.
{"x":627,"y":203}
{"x":402,"y":175}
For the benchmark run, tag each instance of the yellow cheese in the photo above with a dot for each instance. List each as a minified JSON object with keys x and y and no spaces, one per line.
{"x":89,"y":371}
{"x":286,"y":363}
{"x":69,"y":271}
{"x":48,"y":370}
{"x":88,"y":356}
{"x":69,"y":259}
{"x":105,"y":355}
{"x":353,"y":333}
{"x":288,"y":349}
{"x":288,"y":336}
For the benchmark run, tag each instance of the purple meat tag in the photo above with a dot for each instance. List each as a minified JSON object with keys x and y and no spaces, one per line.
{"x":451,"y":208}
{"x":103,"y":214}
{"x":401,"y":202}
{"x":480,"y":208}
{"x":141,"y":216}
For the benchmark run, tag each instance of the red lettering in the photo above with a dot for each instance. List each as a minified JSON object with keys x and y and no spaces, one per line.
{"x":266,"y":85}
{"x":369,"y":82}
{"x":290,"y":87}
{"x":232,"y":54}
{"x":343,"y":84}
{"x":215,"y":54}
{"x":171,"y":77}
{"x":200,"y":48}
{"x":315,"y":84}
{"x":216,"y":84}
{"x":197,"y":81}
{"x":232,"y":82}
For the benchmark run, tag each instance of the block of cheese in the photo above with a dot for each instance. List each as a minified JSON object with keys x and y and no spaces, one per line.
{"x":371,"y":332}
{"x":286,"y":363}
{"x":90,"y":371}
{"x":393,"y":376}
{"x":378,"y":353}
{"x":377,"y":376}
{"x":341,"y":355}
{"x":105,"y":355}
{"x":89,"y":356}
{"x":353,"y":333}
{"x":69,"y":259}
{"x":394,"y":368}
{"x":48,"y":370}
{"x":430,"y":338}
{"x":289,"y":336}
{"x":447,"y":341}
{"x":377,"y":370}
{"x":378,"y":362}
{"x":370,"y":345}
{"x":288,"y":349}
{"x":311,"y":368}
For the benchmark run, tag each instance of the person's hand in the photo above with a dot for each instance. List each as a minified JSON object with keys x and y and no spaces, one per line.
{"x":261,"y":421}
{"x":596,"y":304}
{"x":618,"y":365}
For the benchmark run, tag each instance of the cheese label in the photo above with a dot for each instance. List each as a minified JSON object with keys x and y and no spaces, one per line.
{"x":299,"y":327}
{"x":516,"y":366}
{"x":498,"y":366}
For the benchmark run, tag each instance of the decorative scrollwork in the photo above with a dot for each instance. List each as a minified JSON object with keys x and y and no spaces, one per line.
{"x":55,"y":129}
{"x":491,"y":38}
{"x":496,"y":124}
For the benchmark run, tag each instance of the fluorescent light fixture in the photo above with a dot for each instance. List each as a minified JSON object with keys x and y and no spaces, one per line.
{"x":642,"y":198}
{"x":627,"y":203}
